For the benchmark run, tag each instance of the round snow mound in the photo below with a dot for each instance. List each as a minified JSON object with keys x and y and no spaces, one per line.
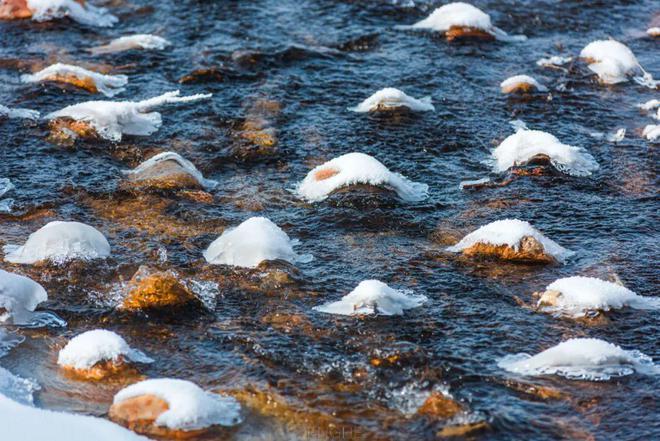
{"x":85,"y":350}
{"x":19,"y":296}
{"x":391,"y":98}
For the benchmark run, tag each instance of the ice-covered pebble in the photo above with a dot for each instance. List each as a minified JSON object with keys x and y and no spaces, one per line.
{"x":108,"y":85}
{"x":6,"y":112}
{"x":652,"y":132}
{"x":392,"y":99}
{"x":653,"y":32}
{"x":653,"y":107}
{"x":554,"y":61}
{"x":129,"y":42}
{"x":522,"y":84}
{"x":154,"y":170}
{"x":615,"y":63}
{"x":81,"y":12}
{"x":19,"y":296}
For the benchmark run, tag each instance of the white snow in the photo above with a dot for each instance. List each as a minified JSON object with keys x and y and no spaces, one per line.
{"x":554,"y":61}
{"x":19,"y":295}
{"x":651,"y":106}
{"x":580,"y":359}
{"x":373,"y":297}
{"x":45,"y":10}
{"x":617,"y":136}
{"x":190,"y":407}
{"x":510,"y":232}
{"x":18,"y":113}
{"x":17,"y":388}
{"x":108,"y":85}
{"x":85,"y":350}
{"x":60,"y":242}
{"x":520,"y":80}
{"x":652,"y":132}
{"x":390,"y":98}
{"x":463,"y":184}
{"x":358,"y":168}
{"x":255,"y":240}
{"x":184,"y":163}
{"x":112,"y":119}
{"x":128,"y":42}
{"x":614,"y":62}
{"x":519,"y":148}
{"x":653,"y":32}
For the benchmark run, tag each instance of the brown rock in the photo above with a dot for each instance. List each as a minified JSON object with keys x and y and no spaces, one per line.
{"x":464,"y":32}
{"x":86,"y":83}
{"x":520,"y":88}
{"x":164,"y":175}
{"x":212,"y":74}
{"x":157,"y":290}
{"x":102,"y":370}
{"x":462,"y":429}
{"x":529,"y":250}
{"x":14,"y":10}
{"x":440,"y":406}
{"x":66,"y":130}
{"x":325,"y":173}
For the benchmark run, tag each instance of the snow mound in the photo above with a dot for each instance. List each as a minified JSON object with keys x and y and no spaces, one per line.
{"x":188,"y":166}
{"x":614,"y":63}
{"x":45,"y":10}
{"x":138,"y":41}
{"x":19,"y":296}
{"x":651,"y":106}
{"x":582,"y":294}
{"x":255,"y":240}
{"x":85,"y":350}
{"x":652,"y":132}
{"x":112,"y":119}
{"x":60,"y":242}
{"x":373,"y":297}
{"x":390,"y":98}
{"x":357,"y":168}
{"x":519,"y":148}
{"x":510,"y":232}
{"x":580,"y":359}
{"x":190,"y":408}
{"x":554,"y":61}
{"x":17,"y":388}
{"x":108,"y":85}
{"x":521,"y":80}
{"x":6,"y":112}
{"x":653,"y":32}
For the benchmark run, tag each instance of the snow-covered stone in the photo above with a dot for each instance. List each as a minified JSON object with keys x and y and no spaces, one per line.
{"x":615,"y":63}
{"x":87,"y":14}
{"x":255,"y":240}
{"x":513,"y":234}
{"x":527,"y":145}
{"x":390,"y":98}
{"x":522,"y":84}
{"x":652,"y":132}
{"x":357,"y":168}
{"x":6,"y":112}
{"x":60,"y":242}
{"x":108,"y":85}
{"x":129,"y":42}
{"x":112,"y":119}
{"x":19,"y":297}
{"x":580,"y":359}
{"x":652,"y":107}
{"x":554,"y":61}
{"x":653,"y":32}
{"x":373,"y":297}
{"x":153,"y":170}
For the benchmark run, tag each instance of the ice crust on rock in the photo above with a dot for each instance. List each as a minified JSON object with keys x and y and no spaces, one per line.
{"x":45,"y":10}
{"x":6,"y":112}
{"x":652,"y":132}
{"x":519,"y":148}
{"x":128,"y":42}
{"x":60,"y":242}
{"x":510,"y":232}
{"x":518,"y":80}
{"x":19,"y":296}
{"x":373,"y":297}
{"x":188,"y":166}
{"x":85,"y":350}
{"x":614,"y":63}
{"x":390,"y":98}
{"x":17,"y":388}
{"x":357,"y":168}
{"x":108,"y":85}
{"x":554,"y":61}
{"x":190,"y":407}
{"x":580,"y":359}
{"x":252,"y":242}
{"x":653,"y":107}
{"x":112,"y":119}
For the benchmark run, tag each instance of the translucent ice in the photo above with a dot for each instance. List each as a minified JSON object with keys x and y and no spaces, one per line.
{"x":188,"y":166}
{"x":138,"y":41}
{"x":19,"y":297}
{"x":391,"y":98}
{"x":45,"y":10}
{"x":6,"y":112}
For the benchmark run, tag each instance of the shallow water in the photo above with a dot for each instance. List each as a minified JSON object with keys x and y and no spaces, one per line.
{"x":316,"y":58}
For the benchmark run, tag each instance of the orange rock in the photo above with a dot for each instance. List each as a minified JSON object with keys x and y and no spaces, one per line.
{"x":438,"y":405}
{"x":197,"y":196}
{"x":14,"y":10}
{"x":86,"y":83}
{"x":462,"y":429}
{"x":462,"y":32}
{"x":102,"y":370}
{"x":157,"y":290}
{"x":325,"y":173}
{"x":65,"y":130}
{"x":165,"y":175}
{"x":529,"y":250}
{"x":521,"y":88}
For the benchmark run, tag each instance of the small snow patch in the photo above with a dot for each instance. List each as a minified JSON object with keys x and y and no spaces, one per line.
{"x":108,"y":85}
{"x":85,"y":350}
{"x":19,"y":297}
{"x":45,"y":10}
{"x":652,"y":132}
{"x":513,"y":83}
{"x":391,"y":98}
{"x":614,"y":63}
{"x":18,"y":113}
{"x":554,"y":61}
{"x":128,"y":42}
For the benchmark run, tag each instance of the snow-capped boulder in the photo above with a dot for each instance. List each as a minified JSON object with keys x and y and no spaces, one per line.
{"x":60,"y":242}
{"x":357,"y":168}
{"x":255,"y":240}
{"x":511,"y":239}
{"x":535,"y":146}
{"x":6,"y":112}
{"x":580,"y":359}
{"x":150,"y":289}
{"x":173,"y":408}
{"x":389,"y":99}
{"x":653,"y":32}
{"x":167,"y":171}
{"x":373,"y":297}
{"x":98,"y":354}
{"x":652,"y":132}
{"x":615,"y":63}
{"x":19,"y":297}
{"x":578,"y":295}
{"x":108,"y":85}
{"x":129,"y":42}
{"x":521,"y":84}
{"x":45,"y":10}
{"x":112,"y":119}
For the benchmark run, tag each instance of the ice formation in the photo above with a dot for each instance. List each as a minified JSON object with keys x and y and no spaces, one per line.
{"x":523,"y":83}
{"x":554,"y":61}
{"x":60,"y":242}
{"x":462,"y":15}
{"x":6,"y":112}
{"x":17,"y":388}
{"x":653,"y":32}
{"x":190,"y":408}
{"x":112,"y":119}
{"x":373,"y":297}
{"x":510,"y":232}
{"x":5,"y":187}
{"x":524,"y":145}
{"x":85,"y":350}
{"x":45,"y":10}
{"x":614,"y":63}
{"x":580,"y":359}
{"x":19,"y":296}
{"x":652,"y":132}
{"x":390,"y":98}
{"x":184,"y":163}
{"x":357,"y":168}
{"x":138,"y":41}
{"x":252,"y":242}
{"x":653,"y":107}
{"x":108,"y":85}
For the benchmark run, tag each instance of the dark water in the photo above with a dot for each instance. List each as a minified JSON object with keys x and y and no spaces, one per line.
{"x":316,"y":58}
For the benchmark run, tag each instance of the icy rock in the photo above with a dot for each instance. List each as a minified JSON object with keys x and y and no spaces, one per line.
{"x":168,"y":170}
{"x":150,"y":290}
{"x":172,"y":408}
{"x":108,"y":85}
{"x":78,"y":11}
{"x":129,"y":42}
{"x":6,"y":112}
{"x":5,"y":186}
{"x":618,"y":136}
{"x":17,"y":388}
{"x":357,"y":168}
{"x":614,"y":63}
{"x":60,"y":242}
{"x":521,"y":84}
{"x":19,"y":297}
{"x":511,"y":239}
{"x":580,"y":359}
{"x":392,"y":99}
{"x":112,"y":119}
{"x":526,"y":146}
{"x":653,"y":107}
{"x":373,"y":297}
{"x":252,"y":242}
{"x":653,"y":32}
{"x":652,"y":132}
{"x":554,"y":61}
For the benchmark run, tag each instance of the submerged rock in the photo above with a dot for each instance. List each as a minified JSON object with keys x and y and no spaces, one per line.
{"x":439,"y":406}
{"x":615,"y":63}
{"x":19,"y":297}
{"x":157,"y":290}
{"x":259,"y":130}
{"x":168,"y":171}
{"x":129,"y":42}
{"x":522,"y":84}
{"x":390,"y":99}
{"x":45,"y":10}
{"x":108,"y":85}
